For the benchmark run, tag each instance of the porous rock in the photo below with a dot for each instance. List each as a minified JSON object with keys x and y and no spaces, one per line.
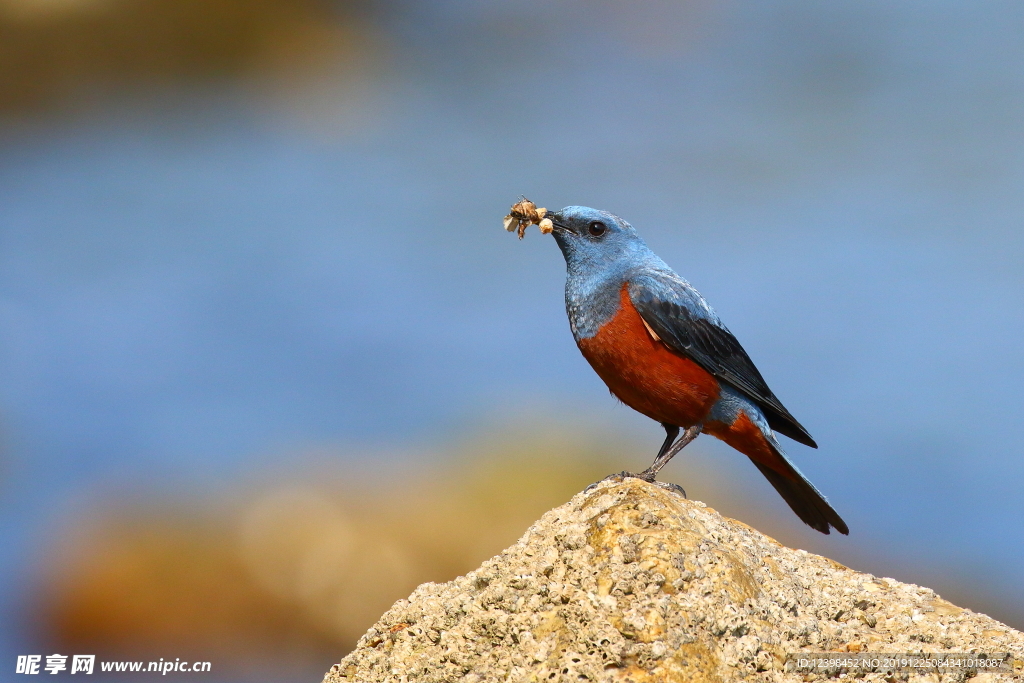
{"x":628,"y":582}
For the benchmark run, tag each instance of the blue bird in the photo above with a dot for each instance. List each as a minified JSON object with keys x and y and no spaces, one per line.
{"x":664,"y":352}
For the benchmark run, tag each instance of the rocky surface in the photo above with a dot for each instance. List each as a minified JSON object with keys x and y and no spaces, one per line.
{"x":628,"y":582}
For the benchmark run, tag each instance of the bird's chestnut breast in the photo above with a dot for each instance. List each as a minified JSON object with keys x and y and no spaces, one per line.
{"x":644,"y":373}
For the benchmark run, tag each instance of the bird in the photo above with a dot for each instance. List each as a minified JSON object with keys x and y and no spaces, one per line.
{"x":664,"y":352}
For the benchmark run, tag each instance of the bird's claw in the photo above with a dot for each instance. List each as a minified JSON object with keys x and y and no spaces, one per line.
{"x":644,"y":476}
{"x":671,"y":488}
{"x":617,"y":478}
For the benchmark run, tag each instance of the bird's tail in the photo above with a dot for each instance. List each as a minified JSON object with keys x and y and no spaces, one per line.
{"x":759,"y":444}
{"x":806,"y":501}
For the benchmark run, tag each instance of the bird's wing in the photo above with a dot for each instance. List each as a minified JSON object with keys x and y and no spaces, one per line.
{"x":680,"y":316}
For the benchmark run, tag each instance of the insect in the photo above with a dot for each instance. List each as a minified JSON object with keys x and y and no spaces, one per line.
{"x":525,"y":213}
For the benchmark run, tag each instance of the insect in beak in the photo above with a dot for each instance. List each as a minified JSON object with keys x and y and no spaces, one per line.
{"x":525,"y":213}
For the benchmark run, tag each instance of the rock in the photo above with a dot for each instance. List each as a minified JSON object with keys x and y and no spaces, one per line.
{"x":628,"y":582}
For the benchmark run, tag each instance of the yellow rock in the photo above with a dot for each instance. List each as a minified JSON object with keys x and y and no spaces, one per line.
{"x":628,"y":582}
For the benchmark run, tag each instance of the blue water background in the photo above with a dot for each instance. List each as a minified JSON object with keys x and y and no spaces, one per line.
{"x":200,"y":285}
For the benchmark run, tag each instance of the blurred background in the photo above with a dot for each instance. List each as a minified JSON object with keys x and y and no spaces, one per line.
{"x":268,"y":360}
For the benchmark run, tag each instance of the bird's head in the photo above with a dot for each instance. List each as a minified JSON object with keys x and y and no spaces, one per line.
{"x":592,"y":238}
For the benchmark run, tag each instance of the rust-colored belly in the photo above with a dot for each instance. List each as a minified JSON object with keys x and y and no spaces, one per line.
{"x":747,"y":438}
{"x":644,"y":374}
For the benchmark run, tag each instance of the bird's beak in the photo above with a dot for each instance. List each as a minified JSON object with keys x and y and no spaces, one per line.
{"x":558,"y":224}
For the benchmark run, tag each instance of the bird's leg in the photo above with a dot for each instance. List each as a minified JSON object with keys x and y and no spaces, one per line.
{"x":671,"y":432}
{"x":667,"y":453}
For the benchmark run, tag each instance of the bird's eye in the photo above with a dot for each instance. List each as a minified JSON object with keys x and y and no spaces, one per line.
{"x":597,"y":228}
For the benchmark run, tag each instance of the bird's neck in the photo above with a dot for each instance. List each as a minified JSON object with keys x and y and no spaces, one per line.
{"x":592,"y":299}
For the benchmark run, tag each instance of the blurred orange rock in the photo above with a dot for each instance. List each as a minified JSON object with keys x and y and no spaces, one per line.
{"x":295,"y":570}
{"x":67,"y":53}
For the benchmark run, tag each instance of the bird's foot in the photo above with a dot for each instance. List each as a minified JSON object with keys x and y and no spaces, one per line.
{"x":645,"y":476}
{"x":671,"y":488}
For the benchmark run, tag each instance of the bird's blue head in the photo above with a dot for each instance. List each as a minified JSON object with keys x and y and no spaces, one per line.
{"x":592,"y":239}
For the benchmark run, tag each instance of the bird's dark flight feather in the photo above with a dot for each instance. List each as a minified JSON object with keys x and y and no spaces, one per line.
{"x":805,"y":500}
{"x":703,"y":339}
